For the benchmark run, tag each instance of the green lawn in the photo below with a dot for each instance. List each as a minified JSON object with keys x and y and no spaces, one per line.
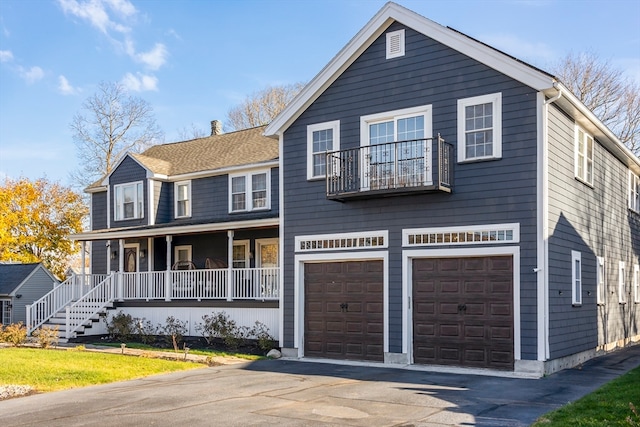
{"x":607,"y":406}
{"x":201,"y":352}
{"x":50,"y":370}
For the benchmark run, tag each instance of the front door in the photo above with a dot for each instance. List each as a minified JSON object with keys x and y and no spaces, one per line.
{"x":131,"y":259}
{"x":267,"y":260}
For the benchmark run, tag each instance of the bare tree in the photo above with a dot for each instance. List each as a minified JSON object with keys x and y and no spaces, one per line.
{"x":261,"y":107}
{"x":113,"y":122}
{"x":192,"y":132}
{"x":613,"y":98}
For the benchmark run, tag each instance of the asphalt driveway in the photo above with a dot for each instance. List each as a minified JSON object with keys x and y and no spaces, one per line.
{"x":295,"y":393}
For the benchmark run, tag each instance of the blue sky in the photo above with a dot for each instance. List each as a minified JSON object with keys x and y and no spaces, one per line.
{"x":193,"y":60}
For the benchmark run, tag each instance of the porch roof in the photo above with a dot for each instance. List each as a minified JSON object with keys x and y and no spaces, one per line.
{"x":173,"y":229}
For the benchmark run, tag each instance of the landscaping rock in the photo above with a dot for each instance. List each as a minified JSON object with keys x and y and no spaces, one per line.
{"x":274,"y":354}
{"x":11,"y":390}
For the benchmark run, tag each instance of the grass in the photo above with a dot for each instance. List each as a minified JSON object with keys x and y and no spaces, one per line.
{"x":51,"y":370}
{"x":201,"y":352}
{"x":607,"y":406}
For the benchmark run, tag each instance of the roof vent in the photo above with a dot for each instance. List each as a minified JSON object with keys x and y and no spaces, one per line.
{"x":216,"y":127}
{"x":395,"y":44}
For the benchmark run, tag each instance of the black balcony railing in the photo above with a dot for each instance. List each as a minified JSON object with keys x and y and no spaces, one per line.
{"x":417,"y":165}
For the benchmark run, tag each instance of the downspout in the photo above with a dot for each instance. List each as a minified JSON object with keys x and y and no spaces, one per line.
{"x":543,"y":252}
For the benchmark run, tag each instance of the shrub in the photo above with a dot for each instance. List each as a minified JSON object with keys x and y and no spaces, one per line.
{"x":174,"y":331}
{"x":145,"y":330}
{"x":47,"y":336}
{"x":120,"y":327}
{"x":260,"y":332}
{"x":219,"y":325}
{"x":14,"y":334}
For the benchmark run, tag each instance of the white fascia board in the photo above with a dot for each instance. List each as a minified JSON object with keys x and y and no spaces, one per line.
{"x":374,"y":28}
{"x":216,"y":172}
{"x":173,"y":230}
{"x":100,"y":189}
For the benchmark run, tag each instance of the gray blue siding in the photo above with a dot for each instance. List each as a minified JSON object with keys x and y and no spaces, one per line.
{"x":34,"y":288}
{"x":129,"y":171}
{"x":99,"y":210}
{"x":501,"y":191}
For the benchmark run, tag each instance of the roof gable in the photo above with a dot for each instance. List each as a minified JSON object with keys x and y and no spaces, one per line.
{"x":13,"y":275}
{"x":390,"y":13}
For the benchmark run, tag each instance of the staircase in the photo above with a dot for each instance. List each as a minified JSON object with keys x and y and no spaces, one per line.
{"x":73,"y":306}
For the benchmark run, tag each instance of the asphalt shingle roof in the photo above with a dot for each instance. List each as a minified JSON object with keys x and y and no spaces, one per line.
{"x":12,"y":275}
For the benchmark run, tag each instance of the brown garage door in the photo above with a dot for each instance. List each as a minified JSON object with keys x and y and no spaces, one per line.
{"x":463,"y":311}
{"x":343,"y":310}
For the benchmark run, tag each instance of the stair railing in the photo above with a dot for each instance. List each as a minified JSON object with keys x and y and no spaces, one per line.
{"x":90,"y":304}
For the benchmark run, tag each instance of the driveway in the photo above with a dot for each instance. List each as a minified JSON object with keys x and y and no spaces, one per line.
{"x":296,"y":393}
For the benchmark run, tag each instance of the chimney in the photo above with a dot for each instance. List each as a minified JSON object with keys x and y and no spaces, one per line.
{"x":216,"y":127}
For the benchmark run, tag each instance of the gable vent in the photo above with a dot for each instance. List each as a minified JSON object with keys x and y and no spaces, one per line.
{"x":395,"y":44}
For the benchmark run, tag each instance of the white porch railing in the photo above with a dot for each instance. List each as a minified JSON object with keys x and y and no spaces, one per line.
{"x":96,"y":299}
{"x":59,"y":297}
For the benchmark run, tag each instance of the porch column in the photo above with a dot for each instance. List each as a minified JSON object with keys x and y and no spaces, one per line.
{"x":150,"y":254}
{"x":230,"y":265}
{"x":108,"y":245}
{"x":82,"y":268}
{"x":119,"y":288}
{"x":167,"y":274}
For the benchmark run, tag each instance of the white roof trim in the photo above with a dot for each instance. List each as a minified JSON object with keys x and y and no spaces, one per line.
{"x":176,"y":229}
{"x":374,"y":28}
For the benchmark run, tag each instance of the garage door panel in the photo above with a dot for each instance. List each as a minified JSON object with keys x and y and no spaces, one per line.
{"x":467,"y":314}
{"x":351,"y":297}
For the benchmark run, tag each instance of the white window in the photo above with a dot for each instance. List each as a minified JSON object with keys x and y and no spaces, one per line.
{"x":241,"y":254}
{"x":480,"y":127}
{"x":321,"y":138}
{"x":250,"y":191}
{"x":584,"y":156}
{"x":395,"y":44}
{"x":5,"y":312}
{"x":634,"y":192}
{"x":182,"y":257}
{"x":182,"y":191}
{"x":128,"y":201}
{"x":576,"y":278}
{"x":399,"y":153}
{"x":636,"y":283}
{"x":622,"y":297}
{"x":601,"y":285}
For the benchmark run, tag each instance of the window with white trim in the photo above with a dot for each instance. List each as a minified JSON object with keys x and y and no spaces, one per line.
{"x":622,"y":297}
{"x":584,"y":156}
{"x":241,"y":254}
{"x":636,"y":283}
{"x":321,"y":139}
{"x":480,"y":128}
{"x":395,"y":44}
{"x":128,"y":201}
{"x":576,"y":278}
{"x":601,"y":278}
{"x":182,"y":191}
{"x":249,"y":192}
{"x":634,"y":192}
{"x":182,"y":253}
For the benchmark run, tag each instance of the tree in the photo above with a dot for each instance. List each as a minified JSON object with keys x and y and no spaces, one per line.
{"x":261,"y":107}
{"x":36,"y":218}
{"x":113,"y":123}
{"x":603,"y":89}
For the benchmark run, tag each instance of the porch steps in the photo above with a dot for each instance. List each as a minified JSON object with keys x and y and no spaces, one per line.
{"x":60,"y":320}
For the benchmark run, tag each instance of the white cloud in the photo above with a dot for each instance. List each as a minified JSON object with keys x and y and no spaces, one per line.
{"x":32,"y":74}
{"x":140,"y":82}
{"x":95,"y":12}
{"x":65,"y":87}
{"x":155,"y":58}
{"x":6,"y":56}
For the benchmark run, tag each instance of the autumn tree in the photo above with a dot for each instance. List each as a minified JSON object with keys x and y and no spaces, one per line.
{"x":36,"y":218}
{"x":261,"y":107}
{"x":604,"y":89}
{"x":112,"y":122}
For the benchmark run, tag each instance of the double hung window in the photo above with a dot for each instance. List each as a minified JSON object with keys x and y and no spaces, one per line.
{"x":480,"y":127}
{"x":584,"y":156}
{"x":182,"y":191}
{"x":249,"y":192}
{"x":321,"y":139}
{"x":128,"y":201}
{"x":622,"y":272}
{"x":601,"y":285}
{"x":634,"y":192}
{"x":576,"y":276}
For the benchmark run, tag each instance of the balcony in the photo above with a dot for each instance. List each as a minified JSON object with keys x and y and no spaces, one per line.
{"x":390,"y":169}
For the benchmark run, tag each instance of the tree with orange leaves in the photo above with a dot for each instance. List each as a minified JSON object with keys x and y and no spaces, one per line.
{"x":36,"y":218}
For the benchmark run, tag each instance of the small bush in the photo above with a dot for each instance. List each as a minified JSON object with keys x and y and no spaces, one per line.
{"x":260,"y":332}
{"x":174,"y":331}
{"x":145,"y":330}
{"x":219,"y":325}
{"x":46,"y":336}
{"x":120,"y":327}
{"x":14,"y":334}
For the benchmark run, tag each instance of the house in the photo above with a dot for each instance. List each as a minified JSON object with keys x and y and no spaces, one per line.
{"x":21,"y":284}
{"x":183,"y":230}
{"x":444,"y":203}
